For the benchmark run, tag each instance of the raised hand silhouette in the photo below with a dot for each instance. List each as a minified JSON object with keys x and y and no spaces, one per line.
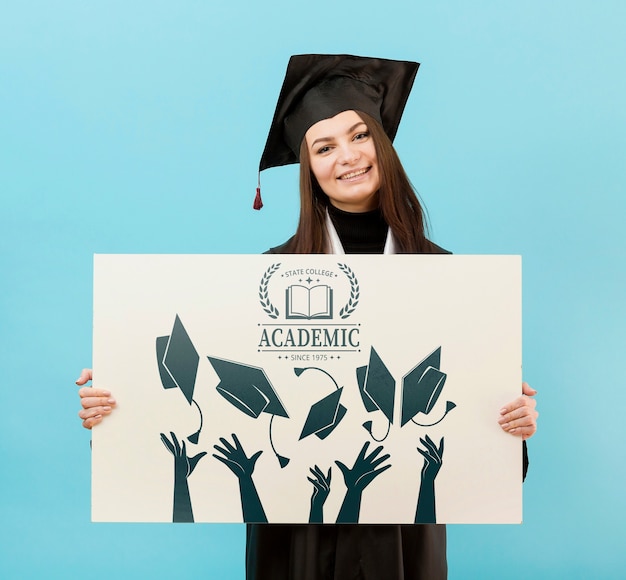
{"x":183,"y":468}
{"x":321,"y":489}
{"x":235,"y":458}
{"x":433,"y":460}
{"x":362,"y":473}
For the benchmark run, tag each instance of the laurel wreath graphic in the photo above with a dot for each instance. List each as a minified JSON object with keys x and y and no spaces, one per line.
{"x":264,"y":299}
{"x":355,"y":292}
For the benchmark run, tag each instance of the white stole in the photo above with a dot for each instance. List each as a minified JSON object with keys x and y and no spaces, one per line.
{"x":334,"y":243}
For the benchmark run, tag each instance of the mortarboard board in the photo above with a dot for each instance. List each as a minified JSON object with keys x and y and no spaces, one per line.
{"x":377,"y":388}
{"x":319,"y":86}
{"x":326,"y":414}
{"x":177,"y":360}
{"x":248,"y":389}
{"x":376,"y":385}
{"x":421,"y":388}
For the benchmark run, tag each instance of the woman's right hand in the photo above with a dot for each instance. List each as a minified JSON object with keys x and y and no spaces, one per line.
{"x":97,"y":403}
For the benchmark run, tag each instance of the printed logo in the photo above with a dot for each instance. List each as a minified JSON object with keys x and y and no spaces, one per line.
{"x":309,"y":297}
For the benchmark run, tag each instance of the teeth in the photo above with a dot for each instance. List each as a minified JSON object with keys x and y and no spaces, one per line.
{"x":354,"y":174}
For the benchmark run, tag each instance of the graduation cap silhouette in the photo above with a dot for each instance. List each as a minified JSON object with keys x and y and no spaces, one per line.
{"x":177,"y":360}
{"x":421,"y":388}
{"x":324,"y":415}
{"x":377,"y":388}
{"x":248,"y":389}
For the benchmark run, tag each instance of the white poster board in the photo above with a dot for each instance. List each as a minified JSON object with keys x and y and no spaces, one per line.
{"x":371,"y":385}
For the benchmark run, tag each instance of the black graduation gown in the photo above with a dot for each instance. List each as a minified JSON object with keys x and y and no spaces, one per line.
{"x":347,"y":551}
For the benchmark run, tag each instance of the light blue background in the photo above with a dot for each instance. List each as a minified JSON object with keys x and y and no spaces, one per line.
{"x":136,"y":127}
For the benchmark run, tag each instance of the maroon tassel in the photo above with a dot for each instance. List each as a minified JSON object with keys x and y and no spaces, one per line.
{"x":258,"y":202}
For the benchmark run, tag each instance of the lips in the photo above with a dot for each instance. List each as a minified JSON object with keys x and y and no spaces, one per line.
{"x":354,"y":174}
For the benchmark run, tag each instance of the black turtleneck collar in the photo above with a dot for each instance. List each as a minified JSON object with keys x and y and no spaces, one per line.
{"x":360,"y":233}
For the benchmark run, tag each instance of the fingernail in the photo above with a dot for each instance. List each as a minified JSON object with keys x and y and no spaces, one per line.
{"x":513,"y":430}
{"x":112,"y":401}
{"x":106,"y":393}
{"x":106,"y":409}
{"x":504,"y":426}
{"x":78,"y":379}
{"x":502,"y":411}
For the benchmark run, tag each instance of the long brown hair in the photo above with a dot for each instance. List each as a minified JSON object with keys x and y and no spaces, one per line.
{"x":398,"y":202}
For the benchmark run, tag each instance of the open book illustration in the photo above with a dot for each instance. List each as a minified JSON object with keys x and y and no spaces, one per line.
{"x":307,"y":303}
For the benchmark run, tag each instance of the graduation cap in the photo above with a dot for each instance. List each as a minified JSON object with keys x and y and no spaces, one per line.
{"x":177,"y":360}
{"x":377,"y":388}
{"x":248,"y":389}
{"x":320,"y":86}
{"x":421,"y":388}
{"x":324,"y":415}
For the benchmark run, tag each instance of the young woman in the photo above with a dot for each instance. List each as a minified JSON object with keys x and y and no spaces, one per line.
{"x":336,"y":116}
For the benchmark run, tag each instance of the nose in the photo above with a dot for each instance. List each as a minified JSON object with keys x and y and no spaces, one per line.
{"x":349,"y":153}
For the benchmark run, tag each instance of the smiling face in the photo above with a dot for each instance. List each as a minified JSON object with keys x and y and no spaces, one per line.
{"x":343,"y":159}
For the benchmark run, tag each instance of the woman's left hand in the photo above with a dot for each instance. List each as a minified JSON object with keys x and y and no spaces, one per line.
{"x":520,"y":417}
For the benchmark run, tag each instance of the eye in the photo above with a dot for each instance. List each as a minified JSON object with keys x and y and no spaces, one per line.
{"x":323,"y":150}
{"x":361,"y":136}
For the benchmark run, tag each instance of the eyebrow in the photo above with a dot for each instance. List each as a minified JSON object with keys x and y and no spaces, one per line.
{"x":326,"y":139}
